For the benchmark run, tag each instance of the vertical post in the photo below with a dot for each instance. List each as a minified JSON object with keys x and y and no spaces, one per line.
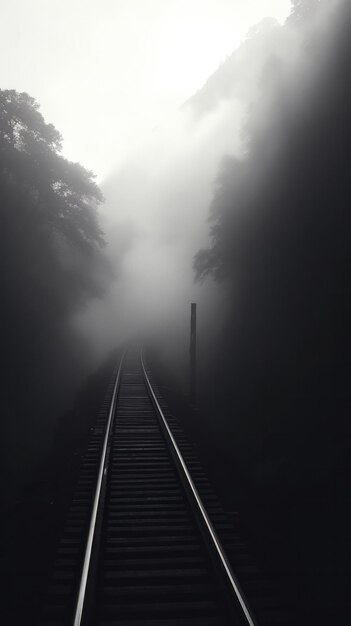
{"x":193,"y":353}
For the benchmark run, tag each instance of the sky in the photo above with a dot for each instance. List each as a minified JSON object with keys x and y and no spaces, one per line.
{"x":106,"y":73}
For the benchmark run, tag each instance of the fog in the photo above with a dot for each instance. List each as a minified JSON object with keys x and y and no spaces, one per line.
{"x":204,"y":157}
{"x":105,"y":73}
{"x":122,"y":94}
{"x":157,"y":201}
{"x":158,"y":154}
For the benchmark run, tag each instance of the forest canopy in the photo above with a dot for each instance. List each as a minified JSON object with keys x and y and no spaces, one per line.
{"x":50,"y":238}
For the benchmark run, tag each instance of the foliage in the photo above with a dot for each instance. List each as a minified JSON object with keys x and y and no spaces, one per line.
{"x":280,"y":229}
{"x":303,"y":10}
{"x":51,"y":259}
{"x":51,"y":265}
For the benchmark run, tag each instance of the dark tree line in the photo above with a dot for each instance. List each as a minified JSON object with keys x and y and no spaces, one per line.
{"x":51,"y":262}
{"x":280,"y":230}
{"x":49,"y":217}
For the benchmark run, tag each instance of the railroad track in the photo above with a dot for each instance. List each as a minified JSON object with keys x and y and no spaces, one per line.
{"x":142,"y":544}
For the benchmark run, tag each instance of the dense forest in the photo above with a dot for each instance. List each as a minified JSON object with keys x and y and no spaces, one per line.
{"x":279,"y":382}
{"x":52,"y":264}
{"x":280,"y":231}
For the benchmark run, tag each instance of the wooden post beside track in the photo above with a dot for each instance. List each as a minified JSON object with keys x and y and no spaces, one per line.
{"x":193,"y":353}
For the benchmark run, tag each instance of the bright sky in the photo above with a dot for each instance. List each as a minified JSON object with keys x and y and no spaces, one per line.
{"x":105,"y":72}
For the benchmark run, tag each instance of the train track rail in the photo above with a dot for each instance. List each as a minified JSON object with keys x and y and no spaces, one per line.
{"x":142,"y":541}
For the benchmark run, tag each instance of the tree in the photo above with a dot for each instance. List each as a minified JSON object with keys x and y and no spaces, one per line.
{"x":51,"y":265}
{"x":302,"y":11}
{"x":50,"y":238}
{"x":281,"y":242}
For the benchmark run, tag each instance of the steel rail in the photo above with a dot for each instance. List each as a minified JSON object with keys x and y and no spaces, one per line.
{"x":223,"y":559}
{"x":102,"y":472}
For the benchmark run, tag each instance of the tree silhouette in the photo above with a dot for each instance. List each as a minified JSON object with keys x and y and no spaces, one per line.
{"x":304,"y":10}
{"x":51,"y":265}
{"x":49,"y":229}
{"x":281,"y":241}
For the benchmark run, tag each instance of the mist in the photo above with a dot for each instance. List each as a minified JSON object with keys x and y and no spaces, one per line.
{"x":208,"y":152}
{"x":157,"y":201}
{"x":228,"y":187}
